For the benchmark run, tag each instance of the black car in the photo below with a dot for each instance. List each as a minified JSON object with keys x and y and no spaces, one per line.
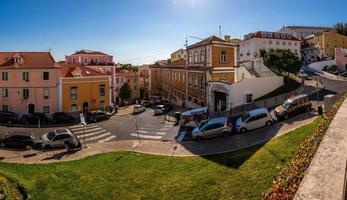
{"x":19,"y":139}
{"x":146,"y":103}
{"x":35,"y":118}
{"x":168,"y":106}
{"x":61,"y":117}
{"x":7,"y":117}
{"x":97,"y":115}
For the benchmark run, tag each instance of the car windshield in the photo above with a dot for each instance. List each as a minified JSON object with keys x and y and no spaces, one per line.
{"x":245,"y":117}
{"x":287,"y":104}
{"x":51,"y":135}
{"x":159,"y":107}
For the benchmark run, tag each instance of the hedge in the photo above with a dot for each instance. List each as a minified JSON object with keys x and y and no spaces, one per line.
{"x":290,"y":175}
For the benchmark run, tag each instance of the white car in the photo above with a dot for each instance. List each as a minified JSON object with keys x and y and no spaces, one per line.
{"x":57,"y":138}
{"x":254,"y":119}
{"x":303,"y":74}
{"x":139,"y":109}
{"x":159,"y":110}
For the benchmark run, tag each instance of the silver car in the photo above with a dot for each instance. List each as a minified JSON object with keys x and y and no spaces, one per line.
{"x":215,"y":127}
{"x":57,"y":138}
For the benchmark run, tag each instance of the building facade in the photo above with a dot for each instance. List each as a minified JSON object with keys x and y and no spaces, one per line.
{"x":300,"y":32}
{"x":144,"y":79}
{"x":29,"y":82}
{"x":88,"y":57}
{"x":252,"y":43}
{"x":132,"y":78}
{"x":178,"y":55}
{"x":82,"y":89}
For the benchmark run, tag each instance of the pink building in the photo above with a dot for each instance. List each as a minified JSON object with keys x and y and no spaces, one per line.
{"x":341,"y":58}
{"x":28,"y":82}
{"x":87,"y":57}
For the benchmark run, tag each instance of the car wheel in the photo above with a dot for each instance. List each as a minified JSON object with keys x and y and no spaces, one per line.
{"x":47,"y":147}
{"x":26,"y":122}
{"x":224,"y":134}
{"x":268,"y":123}
{"x":9,"y":122}
{"x":286,"y":116}
{"x":2,"y":145}
{"x":243,"y":130}
{"x":28,"y":147}
{"x":108,"y":117}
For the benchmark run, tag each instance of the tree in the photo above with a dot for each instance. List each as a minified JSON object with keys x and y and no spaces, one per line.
{"x":281,"y":61}
{"x":128,"y":67}
{"x":341,"y":28}
{"x":125,"y":92}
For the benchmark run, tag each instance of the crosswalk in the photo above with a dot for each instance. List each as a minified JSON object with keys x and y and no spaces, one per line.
{"x":153,"y":132}
{"x":92,"y":133}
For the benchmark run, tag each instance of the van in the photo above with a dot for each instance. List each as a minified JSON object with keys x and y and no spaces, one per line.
{"x":191,"y":118}
{"x":293,"y":106}
{"x":254,"y":119}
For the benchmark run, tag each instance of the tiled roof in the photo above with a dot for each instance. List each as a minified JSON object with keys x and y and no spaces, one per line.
{"x":273,"y":35}
{"x":308,"y":27}
{"x":29,"y":60}
{"x":68,"y":70}
{"x":84,"y":51}
{"x":206,"y":41}
{"x":178,"y":62}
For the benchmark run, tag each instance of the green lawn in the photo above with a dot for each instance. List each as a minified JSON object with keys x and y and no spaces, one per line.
{"x":288,"y":86}
{"x":243,"y":174}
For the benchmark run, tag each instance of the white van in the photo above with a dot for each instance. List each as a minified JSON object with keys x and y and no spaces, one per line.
{"x":254,"y":119}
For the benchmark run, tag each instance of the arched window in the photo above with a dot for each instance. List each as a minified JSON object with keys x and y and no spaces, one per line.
{"x":190,"y":58}
{"x":202,"y":56}
{"x":223,"y":57}
{"x":196,"y":55}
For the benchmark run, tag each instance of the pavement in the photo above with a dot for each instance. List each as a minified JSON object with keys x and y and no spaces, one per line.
{"x":160,"y":147}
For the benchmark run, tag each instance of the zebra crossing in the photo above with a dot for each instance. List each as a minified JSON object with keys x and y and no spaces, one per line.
{"x":153,"y":132}
{"x":92,"y":133}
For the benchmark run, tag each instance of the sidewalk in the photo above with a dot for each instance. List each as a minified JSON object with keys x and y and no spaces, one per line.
{"x":190,"y":148}
{"x":123,"y":111}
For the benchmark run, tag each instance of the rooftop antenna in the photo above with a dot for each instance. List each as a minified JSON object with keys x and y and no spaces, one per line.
{"x":220,"y":31}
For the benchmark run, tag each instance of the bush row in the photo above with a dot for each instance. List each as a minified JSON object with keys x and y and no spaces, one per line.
{"x":290,"y":175}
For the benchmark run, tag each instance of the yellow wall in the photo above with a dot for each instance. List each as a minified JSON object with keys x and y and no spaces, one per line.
{"x":328,"y":41}
{"x":87,"y":91}
{"x":216,"y":51}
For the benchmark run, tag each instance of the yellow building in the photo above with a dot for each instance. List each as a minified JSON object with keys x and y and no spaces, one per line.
{"x":178,"y":55}
{"x":327,"y":41}
{"x":82,"y":89}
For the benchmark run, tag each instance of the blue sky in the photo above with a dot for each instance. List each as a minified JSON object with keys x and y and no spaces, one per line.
{"x":141,"y":31}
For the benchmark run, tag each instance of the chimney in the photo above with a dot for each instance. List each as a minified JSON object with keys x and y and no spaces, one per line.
{"x":227,"y":38}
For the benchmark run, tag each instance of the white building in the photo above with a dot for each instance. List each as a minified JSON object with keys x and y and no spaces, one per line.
{"x":252,"y":43}
{"x":300,"y":32}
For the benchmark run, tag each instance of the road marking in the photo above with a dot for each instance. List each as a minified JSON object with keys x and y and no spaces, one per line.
{"x":99,"y":136}
{"x":88,"y":130}
{"x":181,"y":136}
{"x":85,"y":128}
{"x":160,"y":133}
{"x":79,"y":126}
{"x":107,"y":139}
{"x":91,"y":134}
{"x":146,"y":136}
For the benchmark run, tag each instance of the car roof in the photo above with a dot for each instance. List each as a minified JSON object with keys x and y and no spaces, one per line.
{"x":218,"y":120}
{"x":257,"y":111}
{"x":160,"y":105}
{"x":195,"y":111}
{"x":301,"y":96}
{"x":59,"y":131}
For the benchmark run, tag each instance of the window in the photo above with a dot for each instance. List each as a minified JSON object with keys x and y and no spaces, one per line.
{"x":202,"y":82}
{"x":73,"y":61}
{"x":96,"y":61}
{"x":25,"y":93}
{"x":270,"y":42}
{"x":189,"y":98}
{"x":25,"y":76}
{"x":102,"y":90}
{"x":4,"y":107}
{"x":196,"y":81}
{"x":223,"y":57}
{"x":73,"y":93}
{"x":190,"y":80}
{"x":46,"y":93}
{"x":196,"y":55}
{"x":195,"y":101}
{"x":277,"y":42}
{"x":284,"y":43}
{"x":117,"y":80}
{"x":289,"y":43}
{"x":190,"y":58}
{"x":46,"y":109}
{"x":74,"y":108}
{"x":202,"y":56}
{"x":183,"y":78}
{"x":4,"y":76}
{"x":85,"y":60}
{"x":249,"y":98}
{"x":4,"y":92}
{"x":45,"y":75}
{"x":106,"y":61}
{"x":102,"y":104}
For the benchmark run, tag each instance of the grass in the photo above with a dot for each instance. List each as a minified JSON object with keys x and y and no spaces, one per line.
{"x":9,"y":189}
{"x":244,"y":174}
{"x":288,"y":86}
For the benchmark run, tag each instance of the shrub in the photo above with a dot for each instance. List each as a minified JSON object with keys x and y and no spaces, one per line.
{"x":287,"y":182}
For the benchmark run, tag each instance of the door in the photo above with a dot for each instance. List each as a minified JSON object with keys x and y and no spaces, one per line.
{"x":251,"y":123}
{"x":85,"y":108}
{"x":220,"y":101}
{"x":31,"y":108}
{"x":346,"y":67}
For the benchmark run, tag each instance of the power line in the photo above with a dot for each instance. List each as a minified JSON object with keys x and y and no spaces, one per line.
{"x":141,"y":58}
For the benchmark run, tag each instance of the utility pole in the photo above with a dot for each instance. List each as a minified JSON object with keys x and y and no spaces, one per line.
{"x":137,"y":130}
{"x":220,"y":31}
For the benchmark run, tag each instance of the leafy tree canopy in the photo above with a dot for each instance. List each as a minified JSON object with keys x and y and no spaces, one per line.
{"x":281,"y":61}
{"x":341,"y":28}
{"x":125,"y":92}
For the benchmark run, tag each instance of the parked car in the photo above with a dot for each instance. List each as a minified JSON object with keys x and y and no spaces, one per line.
{"x":343,"y":74}
{"x":303,"y":74}
{"x":61,"y":117}
{"x":35,"y":118}
{"x":191,"y":118}
{"x":139,"y":109}
{"x":215,"y":127}
{"x":97,"y":115}
{"x":293,"y":106}
{"x":167,"y":105}
{"x":57,"y":138}
{"x":162,"y":109}
{"x":19,"y":139}
{"x":8,"y":117}
{"x":254,"y":119}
